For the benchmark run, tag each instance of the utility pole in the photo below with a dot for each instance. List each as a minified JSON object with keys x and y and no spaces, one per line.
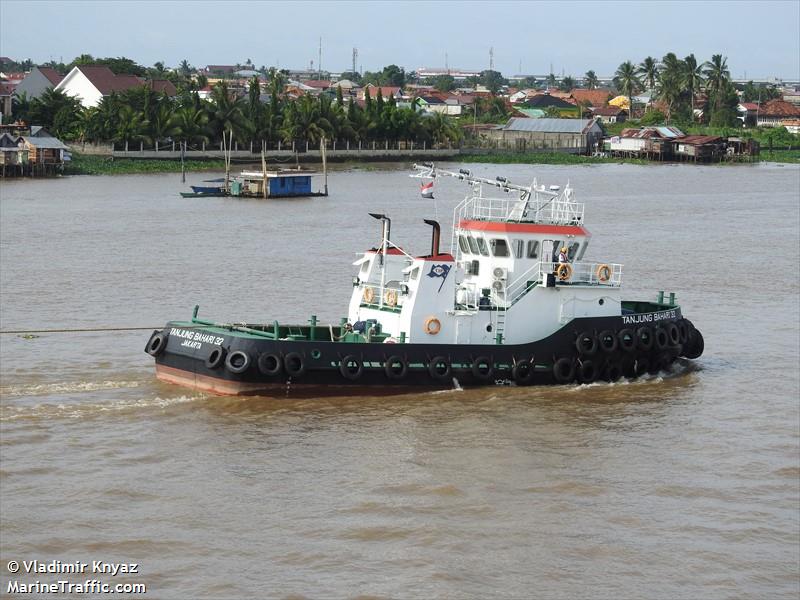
{"x":355,"y":59}
{"x":491,"y":59}
{"x":319,"y":63}
{"x":446,"y":64}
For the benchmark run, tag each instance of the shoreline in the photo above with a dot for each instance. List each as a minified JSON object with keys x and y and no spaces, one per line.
{"x":96,"y":165}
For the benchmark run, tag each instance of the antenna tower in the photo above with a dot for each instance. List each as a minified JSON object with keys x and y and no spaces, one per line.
{"x":491,"y":59}
{"x":355,"y":59}
{"x":319,"y":63}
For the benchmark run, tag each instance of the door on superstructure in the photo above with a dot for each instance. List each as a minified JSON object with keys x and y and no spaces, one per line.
{"x":548,"y":246}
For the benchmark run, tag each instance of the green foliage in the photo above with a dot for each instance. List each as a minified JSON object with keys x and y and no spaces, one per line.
{"x":590,"y":80}
{"x":119,"y":65}
{"x":492,"y":80}
{"x":567,"y":84}
{"x":444,"y":83}
{"x":653,"y":117}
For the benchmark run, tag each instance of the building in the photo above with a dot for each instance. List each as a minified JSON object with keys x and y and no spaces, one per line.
{"x":776,"y":112}
{"x":221,"y":69}
{"x":575,"y":136}
{"x":595,"y":98}
{"x":610,"y":114}
{"x":699,"y":148}
{"x":748,"y":111}
{"x":652,"y":142}
{"x":457,"y":74}
{"x":37,"y":81}
{"x":6,"y":104}
{"x":91,"y":83}
{"x":386,"y":91}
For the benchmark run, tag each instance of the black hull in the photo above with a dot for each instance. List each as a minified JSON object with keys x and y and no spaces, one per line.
{"x":232,"y":364}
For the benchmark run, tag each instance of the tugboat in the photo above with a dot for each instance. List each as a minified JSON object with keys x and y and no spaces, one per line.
{"x":513,"y":301}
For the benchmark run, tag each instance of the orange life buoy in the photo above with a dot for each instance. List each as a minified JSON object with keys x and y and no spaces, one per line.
{"x":369,"y":295}
{"x":564,"y":271}
{"x":390,"y":297}
{"x":432,"y":325}
{"x":603,"y":273}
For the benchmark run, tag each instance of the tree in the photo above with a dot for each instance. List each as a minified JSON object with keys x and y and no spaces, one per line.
{"x":185,"y":68}
{"x":353,"y":76}
{"x":190,"y":125}
{"x":44,"y":109}
{"x":590,"y":79}
{"x":393,"y":75}
{"x":566,"y":84}
{"x":227,"y":114}
{"x":649,"y":71}
{"x":444,"y":83}
{"x":528,"y":82}
{"x":627,"y":81}
{"x":551,"y":80}
{"x":492,"y":80}
{"x":131,"y":126}
{"x":717,"y":76}
{"x":692,"y":78}
{"x":724,"y":113}
{"x":302,"y":121}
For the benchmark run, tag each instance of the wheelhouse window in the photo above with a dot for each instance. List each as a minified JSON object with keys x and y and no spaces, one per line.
{"x":519,"y":248}
{"x":473,"y":245}
{"x":573,"y":250}
{"x":482,"y":247}
{"x":583,"y":250}
{"x":499,"y":247}
{"x":414,"y":274}
{"x":462,"y":243}
{"x":533,"y":248}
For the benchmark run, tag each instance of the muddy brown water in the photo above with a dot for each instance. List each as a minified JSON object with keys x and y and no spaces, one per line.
{"x":682,"y":485}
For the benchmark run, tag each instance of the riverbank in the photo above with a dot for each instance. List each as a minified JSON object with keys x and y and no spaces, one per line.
{"x":82,"y":164}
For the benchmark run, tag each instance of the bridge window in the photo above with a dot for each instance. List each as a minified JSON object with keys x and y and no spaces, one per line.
{"x":573,"y":250}
{"x":583,"y":250}
{"x":473,"y":245}
{"x":484,"y":249}
{"x":519,"y":248}
{"x":533,"y":248}
{"x":499,"y":247}
{"x":462,"y":243}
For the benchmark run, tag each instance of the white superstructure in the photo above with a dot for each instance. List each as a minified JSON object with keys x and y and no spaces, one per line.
{"x":500,"y":282}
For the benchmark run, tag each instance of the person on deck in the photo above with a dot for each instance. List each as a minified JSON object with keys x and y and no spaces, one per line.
{"x":562,"y":256}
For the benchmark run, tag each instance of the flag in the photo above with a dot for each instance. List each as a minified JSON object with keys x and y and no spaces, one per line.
{"x":426,"y":189}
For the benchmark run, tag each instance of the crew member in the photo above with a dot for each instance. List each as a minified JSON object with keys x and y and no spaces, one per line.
{"x":562,"y":256}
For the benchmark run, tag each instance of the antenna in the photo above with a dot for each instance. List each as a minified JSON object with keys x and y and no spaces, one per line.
{"x":319,"y":64}
{"x":491,"y":59}
{"x":446,"y":64}
{"x":355,"y":59}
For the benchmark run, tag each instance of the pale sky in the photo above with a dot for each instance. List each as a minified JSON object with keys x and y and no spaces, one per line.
{"x":760,"y":38}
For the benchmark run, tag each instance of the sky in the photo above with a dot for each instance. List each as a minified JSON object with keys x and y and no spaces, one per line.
{"x":761,"y":39}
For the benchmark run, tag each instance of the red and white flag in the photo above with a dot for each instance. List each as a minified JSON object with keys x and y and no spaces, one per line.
{"x":426,"y":189}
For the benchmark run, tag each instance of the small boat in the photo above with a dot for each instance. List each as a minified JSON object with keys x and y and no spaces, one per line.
{"x":207,"y":190}
{"x":496,"y":308}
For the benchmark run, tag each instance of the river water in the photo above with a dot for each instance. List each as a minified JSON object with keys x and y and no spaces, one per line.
{"x":672,"y":486}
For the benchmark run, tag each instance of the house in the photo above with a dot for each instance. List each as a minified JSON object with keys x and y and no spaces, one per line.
{"x":748,"y":111}
{"x":91,"y":83}
{"x":610,"y":114}
{"x":37,"y":81}
{"x":699,"y":147}
{"x":595,"y":98}
{"x":648,"y":141}
{"x":385,"y":90}
{"x":431,"y":104}
{"x":575,"y":136}
{"x":220,"y":69}
{"x":6,"y":93}
{"x":545,"y":101}
{"x":10,"y":153}
{"x":775,"y":112}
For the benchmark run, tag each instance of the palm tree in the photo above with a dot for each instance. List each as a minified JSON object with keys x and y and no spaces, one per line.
{"x":302,"y":121}
{"x":627,"y":81}
{"x":590,"y":79}
{"x":190,"y":125}
{"x":669,"y":89}
{"x":162,"y":125}
{"x":131,"y":126}
{"x":717,"y":77}
{"x":185,"y":68}
{"x":567,"y":83}
{"x":227,"y":113}
{"x":692,"y":77}
{"x":649,"y":71}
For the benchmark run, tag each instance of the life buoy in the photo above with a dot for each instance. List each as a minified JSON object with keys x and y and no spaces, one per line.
{"x":564,"y":370}
{"x":432,"y":325}
{"x":439,"y":368}
{"x":586,"y":344}
{"x":482,"y":368}
{"x":608,"y":341}
{"x":237,"y":361}
{"x":627,"y":340}
{"x":351,"y":367}
{"x":522,"y":372}
{"x":294,"y":364}
{"x":269,"y":364}
{"x":564,"y":271}
{"x":603,"y":273}
{"x":156,"y":344}
{"x":588,"y":371}
{"x":644,"y":336}
{"x":390,"y":297}
{"x":369,"y":295}
{"x":216,"y":358}
{"x":395,"y":367}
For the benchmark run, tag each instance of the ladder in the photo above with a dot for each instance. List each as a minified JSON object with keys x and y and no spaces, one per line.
{"x":500,"y":324}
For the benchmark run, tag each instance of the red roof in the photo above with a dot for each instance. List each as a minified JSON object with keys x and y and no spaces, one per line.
{"x":750,"y":105}
{"x":165,"y":86}
{"x":106,"y":81}
{"x":318,"y":83}
{"x":6,"y":89}
{"x":779,"y":108}
{"x":597,"y":97}
{"x":699,"y":140}
{"x":51,"y":74}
